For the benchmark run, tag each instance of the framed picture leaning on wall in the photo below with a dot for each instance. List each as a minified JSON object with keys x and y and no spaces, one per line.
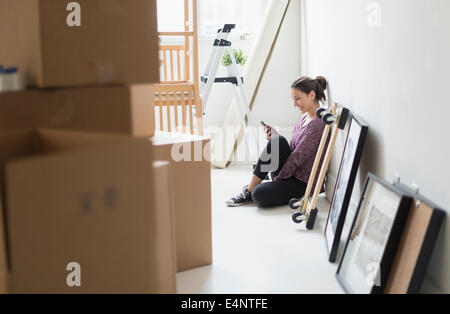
{"x":416,"y":245}
{"x":374,"y":237}
{"x":348,"y":169}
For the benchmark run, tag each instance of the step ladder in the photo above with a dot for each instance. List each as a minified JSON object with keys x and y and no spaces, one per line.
{"x":209,"y":77}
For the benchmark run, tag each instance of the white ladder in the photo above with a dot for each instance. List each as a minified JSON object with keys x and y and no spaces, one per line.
{"x":208,"y":78}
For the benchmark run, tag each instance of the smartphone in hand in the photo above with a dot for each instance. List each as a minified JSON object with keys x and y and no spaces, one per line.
{"x":267,"y":129}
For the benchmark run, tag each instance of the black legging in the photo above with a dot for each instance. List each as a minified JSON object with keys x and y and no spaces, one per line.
{"x":271,"y":161}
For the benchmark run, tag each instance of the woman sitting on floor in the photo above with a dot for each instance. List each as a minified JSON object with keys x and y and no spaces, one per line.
{"x":289,"y":165}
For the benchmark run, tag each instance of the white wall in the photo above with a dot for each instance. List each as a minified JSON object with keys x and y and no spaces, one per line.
{"x":395,"y":76}
{"x":273,"y":103}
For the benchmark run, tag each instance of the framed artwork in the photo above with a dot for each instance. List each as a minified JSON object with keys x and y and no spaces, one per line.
{"x":348,"y":169}
{"x":374,"y":237}
{"x":416,"y":245}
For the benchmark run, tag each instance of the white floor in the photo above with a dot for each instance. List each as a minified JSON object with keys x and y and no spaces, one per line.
{"x":260,"y":251}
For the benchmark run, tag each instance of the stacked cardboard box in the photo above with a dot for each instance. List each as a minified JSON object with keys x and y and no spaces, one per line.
{"x":189,"y":157}
{"x":180,"y":224}
{"x":96,"y":43}
{"x":71,"y":197}
{"x":118,"y":109}
{"x":85,"y":198}
{"x":94,"y":72}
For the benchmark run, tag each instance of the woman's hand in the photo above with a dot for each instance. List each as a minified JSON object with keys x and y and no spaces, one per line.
{"x":270,"y":132}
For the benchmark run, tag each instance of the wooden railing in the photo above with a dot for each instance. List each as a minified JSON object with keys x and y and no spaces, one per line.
{"x":174,"y":64}
{"x":176,"y":106}
{"x":177,"y":97}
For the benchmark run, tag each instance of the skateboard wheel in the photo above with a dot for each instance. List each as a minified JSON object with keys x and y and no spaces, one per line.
{"x":312,"y":219}
{"x":298,"y":218}
{"x":320,"y":112}
{"x":292,"y":203}
{"x":327,"y":119}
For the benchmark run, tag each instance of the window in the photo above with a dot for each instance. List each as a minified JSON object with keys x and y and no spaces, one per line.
{"x":170,"y":15}
{"x":246,"y":14}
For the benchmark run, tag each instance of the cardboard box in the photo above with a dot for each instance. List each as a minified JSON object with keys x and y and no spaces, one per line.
{"x":119,"y":109}
{"x":73,"y":197}
{"x":101,"y":42}
{"x":165,"y":228}
{"x":191,"y":188}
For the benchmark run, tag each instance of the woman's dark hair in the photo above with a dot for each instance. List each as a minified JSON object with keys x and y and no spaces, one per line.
{"x":307,"y":85}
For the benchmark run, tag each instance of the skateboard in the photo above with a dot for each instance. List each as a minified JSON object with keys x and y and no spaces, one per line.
{"x":308,"y":205}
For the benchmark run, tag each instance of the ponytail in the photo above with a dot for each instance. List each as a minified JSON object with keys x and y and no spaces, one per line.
{"x":307,"y":85}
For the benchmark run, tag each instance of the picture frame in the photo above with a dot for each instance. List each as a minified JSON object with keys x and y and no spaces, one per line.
{"x":343,"y":189}
{"x":374,"y":237}
{"x":416,"y":245}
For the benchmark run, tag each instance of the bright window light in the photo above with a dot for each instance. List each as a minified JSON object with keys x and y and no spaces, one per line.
{"x":246,"y":14}
{"x":170,"y":15}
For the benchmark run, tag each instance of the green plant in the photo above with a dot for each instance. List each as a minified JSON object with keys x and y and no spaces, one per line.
{"x":238,"y":54}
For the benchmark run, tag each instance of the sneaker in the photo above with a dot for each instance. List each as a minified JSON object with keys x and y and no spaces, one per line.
{"x":244,"y":198}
